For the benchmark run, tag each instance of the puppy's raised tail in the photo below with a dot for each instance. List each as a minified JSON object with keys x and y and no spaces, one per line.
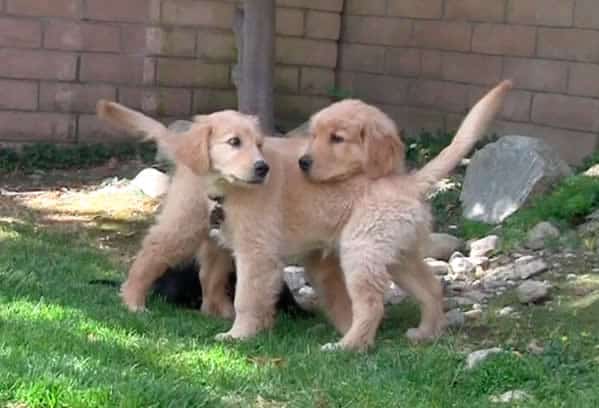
{"x":129,"y":120}
{"x":470,"y":132}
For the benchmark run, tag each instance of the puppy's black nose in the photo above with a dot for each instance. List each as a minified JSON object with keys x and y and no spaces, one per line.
{"x":261,"y":169}
{"x":305,"y":162}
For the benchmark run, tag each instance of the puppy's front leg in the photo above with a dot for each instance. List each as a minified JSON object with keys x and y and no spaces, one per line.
{"x":217,"y":266}
{"x":259,"y":281}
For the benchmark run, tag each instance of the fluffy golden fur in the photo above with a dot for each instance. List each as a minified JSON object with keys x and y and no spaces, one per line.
{"x":347,"y":209}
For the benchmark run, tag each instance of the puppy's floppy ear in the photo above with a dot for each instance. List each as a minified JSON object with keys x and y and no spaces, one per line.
{"x":384,"y":150}
{"x":192,"y":149}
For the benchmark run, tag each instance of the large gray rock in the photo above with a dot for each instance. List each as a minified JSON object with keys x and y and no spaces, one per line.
{"x":442,"y":246}
{"x":537,"y":236}
{"x":503,"y":176}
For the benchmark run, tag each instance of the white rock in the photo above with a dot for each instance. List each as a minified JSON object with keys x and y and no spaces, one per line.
{"x":523,"y":268}
{"x":152,"y":182}
{"x":294,"y":277}
{"x":474,"y":314}
{"x":477,"y":357}
{"x":441,"y":246}
{"x":592,"y":171}
{"x":307,"y":298}
{"x":394,"y":295}
{"x":485,"y":246}
{"x":540,"y":233}
{"x":506,"y":311}
{"x":510,"y":396}
{"x":532,"y":291}
{"x":439,"y":268}
{"x":461,"y":266}
{"x":571,"y":276}
{"x":455,"y":318}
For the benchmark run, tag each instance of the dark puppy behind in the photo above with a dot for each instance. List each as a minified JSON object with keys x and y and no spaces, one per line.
{"x":180,"y":286}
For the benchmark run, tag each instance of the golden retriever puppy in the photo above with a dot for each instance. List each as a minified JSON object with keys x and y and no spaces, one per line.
{"x":360,"y":210}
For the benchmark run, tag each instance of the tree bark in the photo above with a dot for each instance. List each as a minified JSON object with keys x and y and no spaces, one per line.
{"x":255,"y":88}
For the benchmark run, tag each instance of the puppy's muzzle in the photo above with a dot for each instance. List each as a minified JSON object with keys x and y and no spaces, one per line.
{"x":305,"y":162}
{"x":261,"y":169}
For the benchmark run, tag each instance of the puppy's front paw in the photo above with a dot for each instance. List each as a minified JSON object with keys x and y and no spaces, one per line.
{"x":224,"y":337}
{"x":331,"y":347}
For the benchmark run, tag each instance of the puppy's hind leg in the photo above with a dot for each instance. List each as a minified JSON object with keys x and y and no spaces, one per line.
{"x":259,"y":281}
{"x":416,"y":278}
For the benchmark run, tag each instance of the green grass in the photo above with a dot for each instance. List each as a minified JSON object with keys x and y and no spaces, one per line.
{"x":64,"y":343}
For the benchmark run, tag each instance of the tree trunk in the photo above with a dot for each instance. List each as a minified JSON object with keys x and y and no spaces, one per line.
{"x":255,"y":31}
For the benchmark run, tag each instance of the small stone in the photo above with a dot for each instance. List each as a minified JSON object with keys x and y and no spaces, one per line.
{"x":535,"y":348}
{"x":461,"y":267}
{"x":474,"y":314}
{"x":307,"y":298}
{"x":480,"y":261}
{"x":523,"y":268}
{"x":152,"y":182}
{"x":485,"y":246}
{"x":455,"y":318}
{"x":506,"y":311}
{"x":394,"y":295}
{"x":532,"y":291}
{"x":538,"y":236}
{"x":441,"y":246}
{"x":294,"y":277}
{"x":477,"y":357}
{"x":510,"y":396}
{"x":593,"y":171}
{"x":439,"y":268}
{"x":571,"y":276}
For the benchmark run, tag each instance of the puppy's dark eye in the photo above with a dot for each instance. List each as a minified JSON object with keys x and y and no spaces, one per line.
{"x":335,"y":138}
{"x":260,"y":145}
{"x":234,"y":141}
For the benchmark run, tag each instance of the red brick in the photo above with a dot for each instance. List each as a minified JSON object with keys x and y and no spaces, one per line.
{"x":380,"y":88}
{"x":112,"y":68}
{"x":299,"y":51}
{"x":66,"y":97}
{"x":169,"y":41}
{"x":504,"y":39}
{"x":367,"y":8}
{"x":218,"y":46}
{"x":472,"y":68}
{"x":286,"y":79}
{"x":412,"y":121}
{"x":364,"y":58}
{"x":377,"y":30}
{"x":541,"y":12}
{"x":20,"y":33}
{"x":535,"y":74}
{"x":158,"y":101}
{"x":37,"y":65}
{"x":431,"y":64}
{"x":18,"y":95}
{"x":326,"y":5}
{"x":475,"y":10}
{"x":290,"y":22}
{"x":192,"y":73}
{"x":134,"y":39}
{"x":586,"y":14}
{"x":94,"y":130}
{"x":415,"y":8}
{"x":81,"y":36}
{"x":210,"y":100}
{"x":568,"y":112}
{"x":36,"y":127}
{"x":198,"y":12}
{"x":317,"y":81}
{"x":579,"y":45}
{"x":134,"y":11}
{"x":584,"y":80}
{"x":403,"y":61}
{"x":44,"y":8}
{"x":447,"y":96}
{"x":516,"y":106}
{"x":445,"y":35}
{"x":572,"y":146}
{"x":323,"y":25}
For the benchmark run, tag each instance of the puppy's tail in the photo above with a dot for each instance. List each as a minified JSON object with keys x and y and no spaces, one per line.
{"x":130,"y":120}
{"x":470,"y":132}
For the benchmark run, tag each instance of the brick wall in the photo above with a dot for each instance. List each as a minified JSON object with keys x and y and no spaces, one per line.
{"x":169,"y":58}
{"x":427,"y":61}
{"x":424,"y":62}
